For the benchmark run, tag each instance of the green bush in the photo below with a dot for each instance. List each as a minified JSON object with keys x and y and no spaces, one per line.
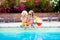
{"x":39,"y":6}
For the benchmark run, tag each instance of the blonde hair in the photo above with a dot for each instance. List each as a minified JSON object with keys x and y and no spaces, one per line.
{"x":24,"y":12}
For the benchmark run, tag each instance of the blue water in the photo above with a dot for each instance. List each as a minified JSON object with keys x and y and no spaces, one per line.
{"x":30,"y":36}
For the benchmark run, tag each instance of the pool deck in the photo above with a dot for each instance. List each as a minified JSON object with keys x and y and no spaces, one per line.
{"x":18,"y":24}
{"x":15,"y":27}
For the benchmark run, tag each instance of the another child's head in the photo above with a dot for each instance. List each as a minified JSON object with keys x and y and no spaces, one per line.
{"x":31,"y":13}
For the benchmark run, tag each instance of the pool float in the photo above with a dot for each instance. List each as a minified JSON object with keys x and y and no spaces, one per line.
{"x":34,"y":23}
{"x":39,"y":23}
{"x":36,"y":19}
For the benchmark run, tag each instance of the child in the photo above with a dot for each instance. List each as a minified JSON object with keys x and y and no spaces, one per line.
{"x":34,"y":20}
{"x":24,"y":18}
{"x":31,"y":17}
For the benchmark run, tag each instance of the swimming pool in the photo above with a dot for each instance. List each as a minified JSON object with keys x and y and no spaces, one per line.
{"x":30,"y":34}
{"x":12,"y":31}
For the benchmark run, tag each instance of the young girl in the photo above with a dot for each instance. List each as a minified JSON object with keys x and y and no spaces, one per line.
{"x":24,"y":18}
{"x":34,"y":20}
{"x":31,"y":17}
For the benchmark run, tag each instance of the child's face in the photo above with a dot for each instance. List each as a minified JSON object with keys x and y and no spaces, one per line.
{"x":30,"y":15}
{"x":24,"y":15}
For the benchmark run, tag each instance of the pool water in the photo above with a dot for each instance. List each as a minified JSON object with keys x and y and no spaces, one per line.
{"x":13,"y":31}
{"x":29,"y":35}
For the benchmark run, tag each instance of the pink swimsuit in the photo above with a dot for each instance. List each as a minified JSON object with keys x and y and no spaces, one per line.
{"x":31,"y":20}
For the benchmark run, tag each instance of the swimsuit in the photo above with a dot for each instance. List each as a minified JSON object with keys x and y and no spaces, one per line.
{"x":31,"y":21}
